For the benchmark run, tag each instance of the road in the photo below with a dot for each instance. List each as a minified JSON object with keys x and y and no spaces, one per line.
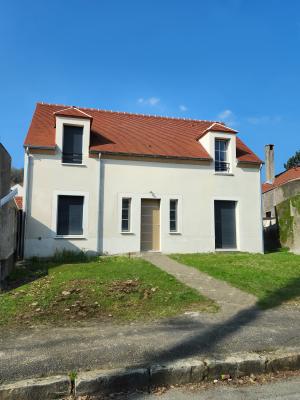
{"x":44,"y":351}
{"x":285,"y":389}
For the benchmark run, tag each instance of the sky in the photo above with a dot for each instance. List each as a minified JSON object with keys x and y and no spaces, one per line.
{"x":237,"y":61}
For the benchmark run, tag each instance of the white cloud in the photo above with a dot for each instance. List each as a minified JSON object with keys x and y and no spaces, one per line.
{"x":225,"y":115}
{"x":228,"y":117}
{"x":183,"y":108}
{"x":264,"y":119}
{"x":151,"y":101}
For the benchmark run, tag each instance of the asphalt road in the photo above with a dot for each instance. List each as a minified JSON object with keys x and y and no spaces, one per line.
{"x":287,"y":389}
{"x":37,"y":352}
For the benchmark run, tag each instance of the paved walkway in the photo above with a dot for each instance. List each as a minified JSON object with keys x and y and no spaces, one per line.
{"x":230,"y":299}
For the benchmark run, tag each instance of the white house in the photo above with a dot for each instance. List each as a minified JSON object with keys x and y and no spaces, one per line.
{"x":112,"y":182}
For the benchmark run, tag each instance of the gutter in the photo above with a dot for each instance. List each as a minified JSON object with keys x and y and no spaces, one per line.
{"x":29,"y":146}
{"x":151,"y":156}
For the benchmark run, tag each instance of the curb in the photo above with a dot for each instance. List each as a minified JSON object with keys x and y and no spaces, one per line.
{"x":189,"y":370}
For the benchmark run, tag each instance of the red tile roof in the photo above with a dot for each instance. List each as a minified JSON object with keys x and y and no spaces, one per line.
{"x":19,"y":202}
{"x":285,"y":177}
{"x":134,"y":134}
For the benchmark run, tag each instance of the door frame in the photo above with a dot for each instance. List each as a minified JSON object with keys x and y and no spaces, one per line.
{"x":147,"y":197}
{"x":237,"y":221}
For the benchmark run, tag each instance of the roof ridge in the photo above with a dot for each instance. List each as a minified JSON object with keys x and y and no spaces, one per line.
{"x":132,"y":113}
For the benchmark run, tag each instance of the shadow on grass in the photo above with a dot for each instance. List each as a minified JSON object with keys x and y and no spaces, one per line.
{"x":36,"y":268}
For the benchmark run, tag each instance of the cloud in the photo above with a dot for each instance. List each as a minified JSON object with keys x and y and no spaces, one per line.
{"x":151,"y":101}
{"x":228,"y":117}
{"x":264,"y":119}
{"x":183,"y":108}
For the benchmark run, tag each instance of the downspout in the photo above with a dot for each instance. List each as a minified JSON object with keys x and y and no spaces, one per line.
{"x":261,"y":211}
{"x":26,"y":196}
{"x":99,"y":250}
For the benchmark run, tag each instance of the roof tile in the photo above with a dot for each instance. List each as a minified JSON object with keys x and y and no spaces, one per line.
{"x":135,"y":134}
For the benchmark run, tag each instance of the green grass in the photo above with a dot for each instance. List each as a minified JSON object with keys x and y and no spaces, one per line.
{"x":274,"y":278}
{"x":109,"y":288}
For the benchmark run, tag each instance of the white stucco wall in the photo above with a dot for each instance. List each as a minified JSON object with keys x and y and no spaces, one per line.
{"x":196,"y":187}
{"x":105,"y":182}
{"x":47,"y":178}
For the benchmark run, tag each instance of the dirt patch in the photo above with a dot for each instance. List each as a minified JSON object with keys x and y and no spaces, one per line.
{"x":128,"y":286}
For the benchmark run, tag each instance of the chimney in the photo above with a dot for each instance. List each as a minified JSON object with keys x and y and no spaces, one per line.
{"x":270,"y":170}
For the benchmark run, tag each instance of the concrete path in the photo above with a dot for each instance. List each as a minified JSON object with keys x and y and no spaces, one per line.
{"x":230,"y":299}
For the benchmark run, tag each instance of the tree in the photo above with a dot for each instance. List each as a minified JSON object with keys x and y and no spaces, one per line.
{"x":293,"y":161}
{"x":16,"y":175}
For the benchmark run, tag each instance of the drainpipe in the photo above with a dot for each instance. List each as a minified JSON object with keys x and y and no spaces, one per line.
{"x":261,"y":211}
{"x":26,"y":196}
{"x":99,"y":207}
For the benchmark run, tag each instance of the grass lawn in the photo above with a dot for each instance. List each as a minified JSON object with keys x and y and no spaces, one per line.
{"x":109,"y":288}
{"x":274,"y":278}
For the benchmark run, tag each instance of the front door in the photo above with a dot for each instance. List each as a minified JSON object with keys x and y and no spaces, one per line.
{"x":225,"y":224}
{"x":150,"y":225}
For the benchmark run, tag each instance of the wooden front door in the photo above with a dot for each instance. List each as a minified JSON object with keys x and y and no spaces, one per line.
{"x":150,"y":225}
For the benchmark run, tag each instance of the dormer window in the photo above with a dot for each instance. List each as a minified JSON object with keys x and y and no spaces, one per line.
{"x":221,"y":155}
{"x":72,"y":144}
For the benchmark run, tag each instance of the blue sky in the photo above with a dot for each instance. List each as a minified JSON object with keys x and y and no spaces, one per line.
{"x":233,"y":60}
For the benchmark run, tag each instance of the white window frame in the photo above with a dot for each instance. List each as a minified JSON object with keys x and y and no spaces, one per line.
{"x":85,"y":124}
{"x":129,"y":214}
{"x":176,"y":216}
{"x":227,"y":141}
{"x":178,"y":198}
{"x":85,"y":195}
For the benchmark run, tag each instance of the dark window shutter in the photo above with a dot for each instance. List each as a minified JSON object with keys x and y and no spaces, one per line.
{"x":70,"y":215}
{"x":225,"y":224}
{"x":72,"y":144}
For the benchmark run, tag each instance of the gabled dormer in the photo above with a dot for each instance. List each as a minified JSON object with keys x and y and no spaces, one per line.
{"x":72,"y":135}
{"x":220,"y":143}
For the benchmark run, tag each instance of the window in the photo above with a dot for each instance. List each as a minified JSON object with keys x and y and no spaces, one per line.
{"x":173,"y":215}
{"x":72,"y":144}
{"x":126,"y":204}
{"x":268,"y":214}
{"x":70,"y":215}
{"x":221,"y":164}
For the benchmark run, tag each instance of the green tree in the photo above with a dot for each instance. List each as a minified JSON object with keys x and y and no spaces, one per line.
{"x":16,"y":175}
{"x":293,"y":161}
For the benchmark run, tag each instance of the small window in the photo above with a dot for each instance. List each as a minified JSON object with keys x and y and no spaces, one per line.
{"x":173,"y":215}
{"x":126,"y":205}
{"x":72,"y":144}
{"x":221,"y":164}
{"x":70,"y":215}
{"x":268,"y":214}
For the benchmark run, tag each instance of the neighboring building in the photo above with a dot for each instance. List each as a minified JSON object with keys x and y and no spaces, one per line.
{"x":281,"y":204}
{"x":112,"y":182}
{"x":8,"y":217}
{"x":19,"y":197}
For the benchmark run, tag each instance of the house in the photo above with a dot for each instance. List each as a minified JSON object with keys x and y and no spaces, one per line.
{"x":281,"y":205}
{"x":8,"y":217}
{"x":114,"y":182}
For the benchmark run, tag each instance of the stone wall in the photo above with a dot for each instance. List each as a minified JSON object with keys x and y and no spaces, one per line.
{"x":8,"y":218}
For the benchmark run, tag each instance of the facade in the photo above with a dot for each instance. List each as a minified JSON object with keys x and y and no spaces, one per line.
{"x":108,"y":182}
{"x":8,"y":217}
{"x":281,"y":205}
